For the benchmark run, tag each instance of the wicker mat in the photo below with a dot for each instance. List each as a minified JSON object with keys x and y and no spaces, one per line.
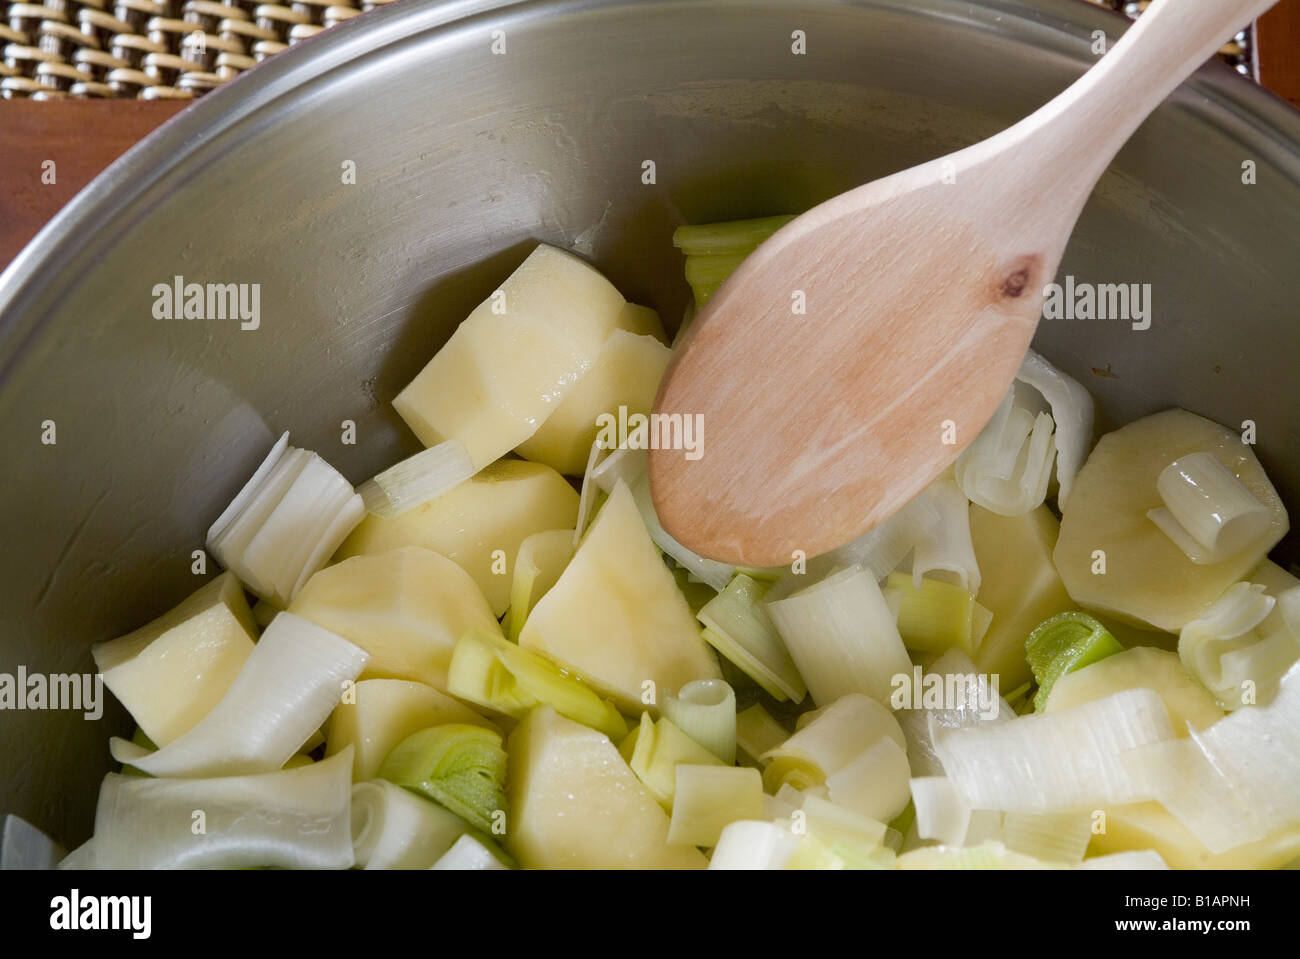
{"x":180,"y":49}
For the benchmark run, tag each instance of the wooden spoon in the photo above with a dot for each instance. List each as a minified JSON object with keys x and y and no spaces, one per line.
{"x":921,"y":293}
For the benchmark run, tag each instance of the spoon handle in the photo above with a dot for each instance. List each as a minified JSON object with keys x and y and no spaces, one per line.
{"x":1088,"y":124}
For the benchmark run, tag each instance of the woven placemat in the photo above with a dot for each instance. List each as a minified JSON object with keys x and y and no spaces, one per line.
{"x":180,"y":49}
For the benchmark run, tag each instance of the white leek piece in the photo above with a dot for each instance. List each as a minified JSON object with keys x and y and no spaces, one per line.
{"x":842,"y":732}
{"x":285,"y":523}
{"x":541,"y":559}
{"x":842,"y":636}
{"x":874,"y":783}
{"x":1048,"y":837}
{"x":941,"y":812}
{"x":950,"y":694}
{"x":1055,"y":762}
{"x":1208,"y":513}
{"x":1007,"y":467}
{"x":393,"y":828}
{"x":292,"y":819}
{"x":880,"y":550}
{"x":468,"y":853}
{"x":23,"y":846}
{"x":591,"y":493}
{"x":620,"y":464}
{"x":1236,"y":781}
{"x":737,"y":624}
{"x":1135,"y":859}
{"x":1072,"y":412}
{"x":757,"y":732}
{"x":1222,"y":649}
{"x":778,"y":809}
{"x":705,"y":710}
{"x":417,"y":479}
{"x":751,"y":844}
{"x":832,"y":823}
{"x":710,"y":798}
{"x":946,"y":551}
{"x":287,"y":688}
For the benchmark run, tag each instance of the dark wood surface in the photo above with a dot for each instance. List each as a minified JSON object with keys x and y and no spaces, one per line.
{"x":83,"y":137}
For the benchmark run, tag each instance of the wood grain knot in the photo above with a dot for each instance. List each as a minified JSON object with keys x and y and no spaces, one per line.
{"x":1015,"y":284}
{"x":1020,"y":276}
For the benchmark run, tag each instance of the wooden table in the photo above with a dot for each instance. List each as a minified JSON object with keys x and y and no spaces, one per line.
{"x":82,"y":137}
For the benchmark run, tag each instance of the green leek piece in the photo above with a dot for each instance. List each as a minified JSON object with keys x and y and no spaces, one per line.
{"x":1019,"y":699}
{"x":1062,"y":644}
{"x":737,"y":625}
{"x":496,"y":674}
{"x":757,"y":732}
{"x":462,"y":767}
{"x":934,"y":617}
{"x":654,"y":749}
{"x":727,"y":237}
{"x":714,"y":250}
{"x":707,"y":273}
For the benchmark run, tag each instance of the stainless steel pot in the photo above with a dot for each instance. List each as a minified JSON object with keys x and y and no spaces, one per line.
{"x":463,"y":158}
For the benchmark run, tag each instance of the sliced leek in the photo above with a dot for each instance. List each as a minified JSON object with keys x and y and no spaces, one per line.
{"x":942,"y":813}
{"x":874,"y":783}
{"x":840,"y":734}
{"x":714,"y":250}
{"x":393,"y":828}
{"x":285,"y":691}
{"x":757,"y":732}
{"x":933,"y":616}
{"x":1062,"y":644}
{"x":291,"y":819}
{"x":461,"y":767}
{"x":731,"y":236}
{"x":1055,"y":762}
{"x":1049,"y":837}
{"x":842,"y":636}
{"x":1228,"y":651}
{"x":654,"y":750}
{"x":417,"y":479}
{"x":950,"y":693}
{"x":1006,"y":469}
{"x":538,"y":565}
{"x":1208,"y":513}
{"x":1234,"y":782}
{"x":946,"y":550}
{"x":737,"y":625}
{"x":498,"y":675}
{"x":707,"y":799}
{"x":751,"y":844}
{"x":1072,"y":413}
{"x":285,"y":523}
{"x":706,"y":711}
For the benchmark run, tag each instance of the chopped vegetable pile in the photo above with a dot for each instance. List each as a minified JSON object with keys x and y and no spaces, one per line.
{"x":491,"y":655}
